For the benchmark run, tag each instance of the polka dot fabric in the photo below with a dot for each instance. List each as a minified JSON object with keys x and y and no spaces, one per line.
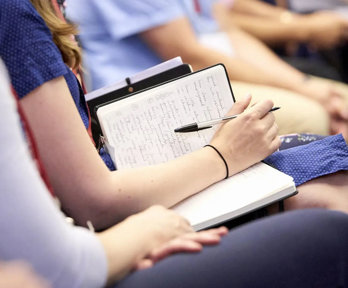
{"x":26,"y":47}
{"x":312,"y":160}
{"x":32,"y":58}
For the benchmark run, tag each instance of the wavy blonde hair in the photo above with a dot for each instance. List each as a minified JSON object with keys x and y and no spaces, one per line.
{"x":62,"y":33}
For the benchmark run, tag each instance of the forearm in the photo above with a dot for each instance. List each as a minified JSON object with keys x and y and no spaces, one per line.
{"x":239,"y":69}
{"x":257,"y":8}
{"x":123,"y":248}
{"x":125,"y":245}
{"x":131,"y":241}
{"x":170,"y":182}
{"x":269,"y":31}
{"x":242,"y":67}
{"x":129,"y":191}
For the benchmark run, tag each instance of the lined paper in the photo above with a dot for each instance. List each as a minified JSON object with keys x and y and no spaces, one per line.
{"x":141,"y":127}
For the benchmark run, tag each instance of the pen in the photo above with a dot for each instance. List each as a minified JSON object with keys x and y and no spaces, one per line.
{"x":208,"y":124}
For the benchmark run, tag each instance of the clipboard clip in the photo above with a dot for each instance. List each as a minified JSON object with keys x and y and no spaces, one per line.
{"x":129,"y":85}
{"x":101,"y":143}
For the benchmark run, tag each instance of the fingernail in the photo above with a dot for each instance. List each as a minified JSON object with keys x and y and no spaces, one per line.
{"x":247,"y":96}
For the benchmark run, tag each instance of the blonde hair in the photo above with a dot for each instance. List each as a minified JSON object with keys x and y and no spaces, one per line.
{"x":62,"y":33}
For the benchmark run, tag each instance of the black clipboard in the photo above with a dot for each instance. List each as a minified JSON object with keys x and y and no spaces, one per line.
{"x":156,"y":85}
{"x":129,"y":89}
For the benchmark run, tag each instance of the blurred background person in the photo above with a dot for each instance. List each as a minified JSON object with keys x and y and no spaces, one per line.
{"x":285,"y":31}
{"x":336,"y":57}
{"x":121,"y":38}
{"x":309,"y":6}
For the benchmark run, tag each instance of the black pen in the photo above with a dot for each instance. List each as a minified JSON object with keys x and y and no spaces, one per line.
{"x":208,"y":124}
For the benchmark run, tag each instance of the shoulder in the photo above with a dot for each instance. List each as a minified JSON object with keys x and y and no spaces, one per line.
{"x":123,"y":18}
{"x":16,"y":13}
{"x":11,"y":5}
{"x":16,"y":7}
{"x":27,"y":47}
{"x":121,"y":9}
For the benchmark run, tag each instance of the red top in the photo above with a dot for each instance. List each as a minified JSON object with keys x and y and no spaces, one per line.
{"x":57,"y":9}
{"x":32,"y":145}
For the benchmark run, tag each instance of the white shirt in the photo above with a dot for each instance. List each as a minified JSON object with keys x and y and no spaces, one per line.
{"x":32,"y":228}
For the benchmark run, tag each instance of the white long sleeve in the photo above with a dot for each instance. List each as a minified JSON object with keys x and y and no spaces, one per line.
{"x":31,"y":226}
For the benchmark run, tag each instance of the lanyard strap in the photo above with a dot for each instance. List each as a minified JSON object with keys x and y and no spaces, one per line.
{"x":57,"y":10}
{"x":197,"y":6}
{"x":32,"y":144}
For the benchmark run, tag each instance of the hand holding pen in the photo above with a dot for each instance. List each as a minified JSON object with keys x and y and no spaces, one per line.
{"x":249,"y":138}
{"x":192,"y":127}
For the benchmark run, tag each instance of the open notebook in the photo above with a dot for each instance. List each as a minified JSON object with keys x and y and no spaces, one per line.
{"x":139,"y":131}
{"x":247,"y":191}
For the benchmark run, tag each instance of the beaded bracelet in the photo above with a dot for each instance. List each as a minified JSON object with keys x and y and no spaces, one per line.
{"x":222,"y":157}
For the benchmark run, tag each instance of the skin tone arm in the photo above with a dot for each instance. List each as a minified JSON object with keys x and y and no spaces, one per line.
{"x":277,"y":26}
{"x":184,"y":43}
{"x":18,"y":275}
{"x":257,"y":8}
{"x":282,"y":3}
{"x":149,"y":236}
{"x":89,"y":191}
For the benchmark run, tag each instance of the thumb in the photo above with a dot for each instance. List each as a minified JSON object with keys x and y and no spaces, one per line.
{"x":144,"y":264}
{"x":240,"y":105}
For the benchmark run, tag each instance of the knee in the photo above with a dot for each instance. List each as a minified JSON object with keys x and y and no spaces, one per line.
{"x":307,"y":117}
{"x":327,"y":225}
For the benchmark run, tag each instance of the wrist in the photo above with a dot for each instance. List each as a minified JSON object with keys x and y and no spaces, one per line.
{"x":221,"y":157}
{"x":286,"y":17}
{"x":307,"y":29}
{"x":217,"y":168}
{"x":314,"y":90}
{"x":301,"y":29}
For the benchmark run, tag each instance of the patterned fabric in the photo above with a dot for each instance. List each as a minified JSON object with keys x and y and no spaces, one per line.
{"x":293,"y":140}
{"x":307,"y":162}
{"x":27,"y":48}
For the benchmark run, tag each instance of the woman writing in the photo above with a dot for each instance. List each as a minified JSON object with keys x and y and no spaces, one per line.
{"x":311,"y":243}
{"x":47,"y":90}
{"x":49,"y":94}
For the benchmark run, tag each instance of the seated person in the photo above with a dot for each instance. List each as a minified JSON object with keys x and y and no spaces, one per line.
{"x":89,"y":191}
{"x":339,"y":6}
{"x":138,"y":251}
{"x":339,"y":56}
{"x":278,"y":26}
{"x":108,"y":39}
{"x":309,"y":42}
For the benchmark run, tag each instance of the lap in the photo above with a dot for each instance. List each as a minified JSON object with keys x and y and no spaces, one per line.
{"x":294,"y":249}
{"x":297,"y":114}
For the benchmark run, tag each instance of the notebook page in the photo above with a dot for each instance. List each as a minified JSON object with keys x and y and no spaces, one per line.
{"x":249,"y":186}
{"x":140,"y":128}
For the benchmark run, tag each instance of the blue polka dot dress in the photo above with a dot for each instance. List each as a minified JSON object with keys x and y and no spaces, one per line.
{"x":32,"y":58}
{"x":310,"y":161}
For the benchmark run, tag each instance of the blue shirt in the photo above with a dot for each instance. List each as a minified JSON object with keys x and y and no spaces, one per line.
{"x":31,"y":57}
{"x":109,"y":32}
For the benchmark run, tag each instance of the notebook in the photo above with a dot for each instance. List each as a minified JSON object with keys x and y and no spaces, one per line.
{"x":139,"y":131}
